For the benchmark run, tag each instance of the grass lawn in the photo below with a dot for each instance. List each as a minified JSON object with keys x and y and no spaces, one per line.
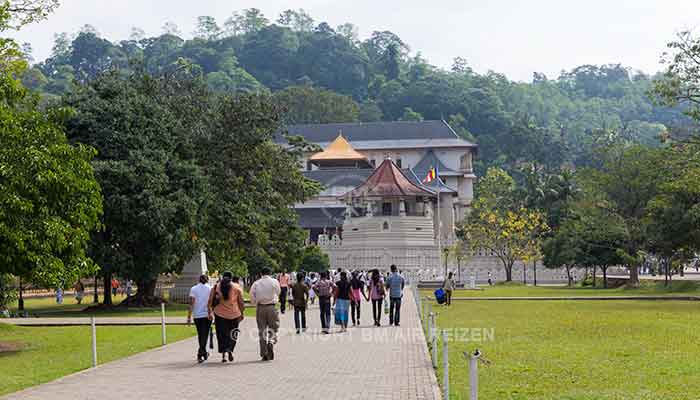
{"x":33,"y":355}
{"x":47,"y":307}
{"x":647,"y":288}
{"x":577,"y":350}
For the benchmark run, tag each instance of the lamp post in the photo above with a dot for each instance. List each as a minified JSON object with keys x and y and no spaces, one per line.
{"x":459,"y":267}
{"x":95,"y":299}
{"x":20,"y":302}
{"x":446,"y":250}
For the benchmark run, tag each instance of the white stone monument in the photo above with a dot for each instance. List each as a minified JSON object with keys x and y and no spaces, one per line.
{"x":188,"y":278}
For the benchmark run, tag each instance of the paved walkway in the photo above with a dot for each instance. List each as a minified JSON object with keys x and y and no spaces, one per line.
{"x":364,"y":363}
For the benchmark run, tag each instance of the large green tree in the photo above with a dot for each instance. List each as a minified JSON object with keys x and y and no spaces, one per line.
{"x":152,"y":185}
{"x":49,"y":198}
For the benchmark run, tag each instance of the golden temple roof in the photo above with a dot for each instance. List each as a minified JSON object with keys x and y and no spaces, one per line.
{"x":338,"y":149}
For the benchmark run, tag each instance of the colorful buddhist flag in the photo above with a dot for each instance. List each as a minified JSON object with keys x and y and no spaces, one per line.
{"x":432,"y":175}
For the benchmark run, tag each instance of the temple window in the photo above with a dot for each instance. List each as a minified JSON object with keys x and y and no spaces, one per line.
{"x":386,"y":209}
{"x":398,"y":162}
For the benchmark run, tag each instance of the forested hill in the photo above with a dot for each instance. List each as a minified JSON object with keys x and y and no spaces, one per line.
{"x":326,"y":74}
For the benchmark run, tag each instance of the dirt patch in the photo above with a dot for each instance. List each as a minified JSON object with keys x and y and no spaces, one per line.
{"x":11,"y":347}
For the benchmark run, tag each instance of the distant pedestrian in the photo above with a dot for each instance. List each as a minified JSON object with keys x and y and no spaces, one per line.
{"x":300,"y":295}
{"x":264,"y":294}
{"x":376,"y":294}
{"x":342,"y":301}
{"x":357,"y":292}
{"x":59,"y":295}
{"x":312,"y":294}
{"x":324,"y":290}
{"x":79,"y":291}
{"x":395,"y":283}
{"x":226,"y":306}
{"x":283,"y":279}
{"x":199,"y":309}
{"x":129,"y":288}
{"x":115,"y":286}
{"x":449,"y":286}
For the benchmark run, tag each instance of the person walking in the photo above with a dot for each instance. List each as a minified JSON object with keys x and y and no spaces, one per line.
{"x":357,"y":291}
{"x":264,"y":294}
{"x":226,"y":306}
{"x":490,"y":280}
{"x":395,"y":283}
{"x":283,"y":279}
{"x":448,"y":286}
{"x":376,"y":294}
{"x":324,"y":289}
{"x":300,"y":296}
{"x":79,"y":291}
{"x":130,"y":288}
{"x":342,"y":301}
{"x":199,"y":309}
{"x":312,"y":294}
{"x":115,"y":286}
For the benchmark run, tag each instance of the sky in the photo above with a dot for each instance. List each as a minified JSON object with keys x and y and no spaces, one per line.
{"x":514,"y":37}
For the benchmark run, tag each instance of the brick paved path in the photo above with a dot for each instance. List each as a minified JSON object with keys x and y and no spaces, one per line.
{"x":364,"y":363}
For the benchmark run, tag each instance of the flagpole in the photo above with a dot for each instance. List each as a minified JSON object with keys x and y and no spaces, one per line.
{"x":438,"y":215}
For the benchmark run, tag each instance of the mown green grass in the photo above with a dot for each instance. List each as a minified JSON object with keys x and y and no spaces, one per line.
{"x":646,"y":288}
{"x":46,"y":307}
{"x":47,"y":353}
{"x":577,"y":350}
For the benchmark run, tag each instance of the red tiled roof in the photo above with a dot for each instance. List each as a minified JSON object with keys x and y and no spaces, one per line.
{"x":388,"y":181}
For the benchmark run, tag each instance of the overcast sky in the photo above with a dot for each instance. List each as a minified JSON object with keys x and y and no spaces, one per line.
{"x":515,"y":37}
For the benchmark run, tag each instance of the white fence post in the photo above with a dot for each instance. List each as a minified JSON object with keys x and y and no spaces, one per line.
{"x":94,"y":341}
{"x":433,"y":340}
{"x":162,"y":321}
{"x":445,"y":366}
{"x":473,"y":377}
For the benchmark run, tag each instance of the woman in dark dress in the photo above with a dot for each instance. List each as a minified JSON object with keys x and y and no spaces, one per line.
{"x":342,"y":301}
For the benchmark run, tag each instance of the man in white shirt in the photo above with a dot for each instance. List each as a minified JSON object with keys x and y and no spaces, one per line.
{"x":264,"y":294}
{"x":199,"y":309}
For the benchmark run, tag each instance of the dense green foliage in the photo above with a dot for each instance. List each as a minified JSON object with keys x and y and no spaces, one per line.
{"x":183,"y":168}
{"x":329,"y":75}
{"x":49,"y":198}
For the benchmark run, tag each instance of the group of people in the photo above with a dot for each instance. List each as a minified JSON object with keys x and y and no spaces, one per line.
{"x":342,"y":292}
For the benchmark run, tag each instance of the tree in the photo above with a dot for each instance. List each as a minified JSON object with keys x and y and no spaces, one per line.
{"x":629,"y":179}
{"x":680,"y":83}
{"x":171,"y":28}
{"x":309,"y":105}
{"x":253,"y":182}
{"x":207,"y":28}
{"x":370,"y":112}
{"x":253,"y":20}
{"x":49,"y":198}
{"x":497,"y":222}
{"x":153,"y":188}
{"x":314,"y":260}
{"x":410,"y":115}
{"x":673,"y":216}
{"x":299,"y":20}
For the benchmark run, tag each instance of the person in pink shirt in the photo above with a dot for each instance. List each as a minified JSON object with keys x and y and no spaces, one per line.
{"x":376,"y":293}
{"x":283,"y":279}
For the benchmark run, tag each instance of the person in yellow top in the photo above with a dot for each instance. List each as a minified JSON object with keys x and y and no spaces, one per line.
{"x":226,"y":307}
